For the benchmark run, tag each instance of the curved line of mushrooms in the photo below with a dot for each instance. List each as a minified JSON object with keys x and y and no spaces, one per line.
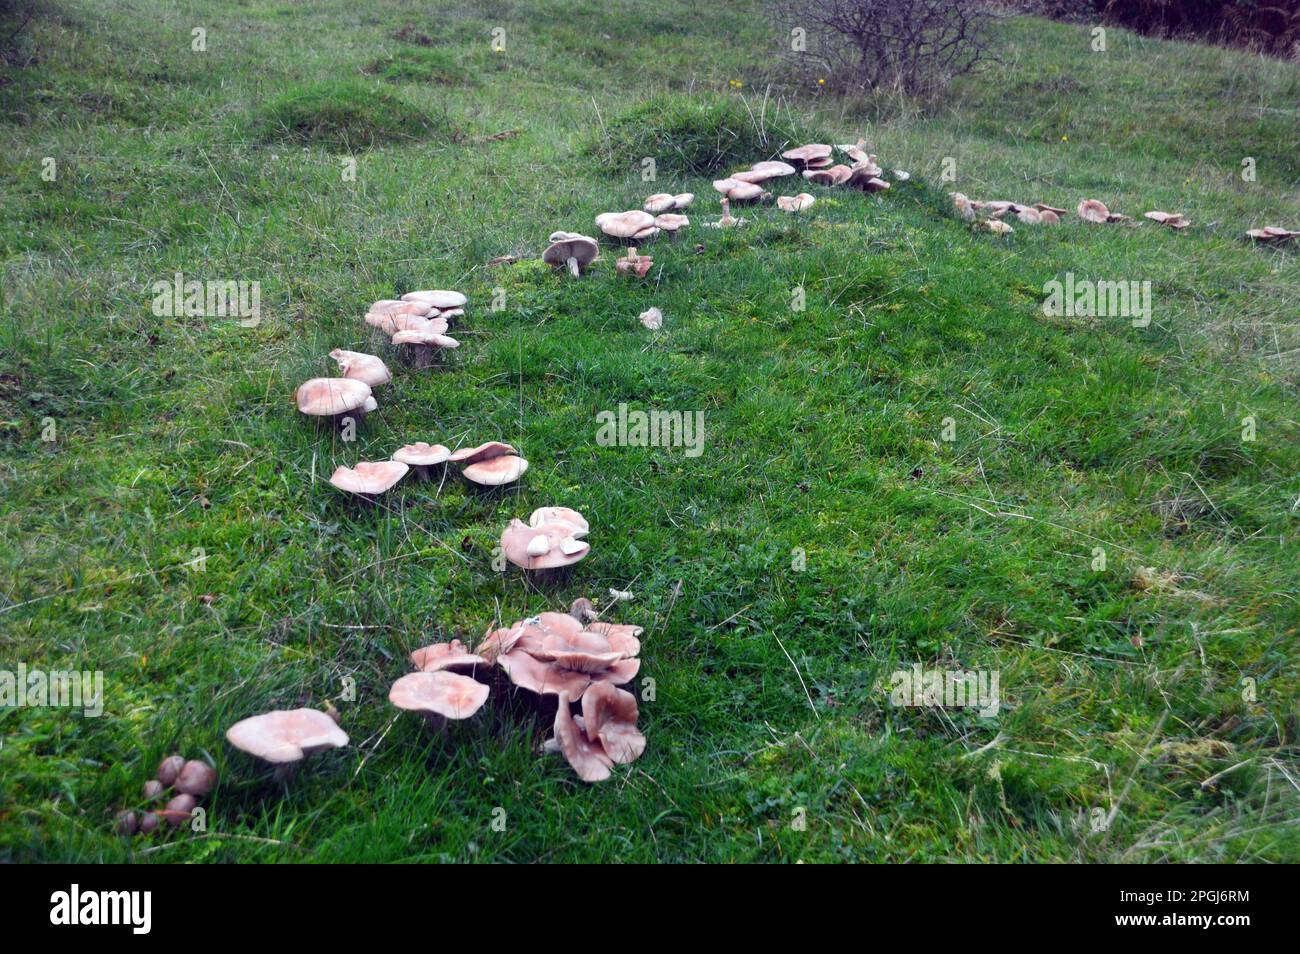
{"x":1093,"y":211}
{"x":576,"y":658}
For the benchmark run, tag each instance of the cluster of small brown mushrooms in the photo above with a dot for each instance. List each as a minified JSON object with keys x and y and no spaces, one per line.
{"x":189,"y":781}
{"x":573,"y":662}
{"x":990,"y":216}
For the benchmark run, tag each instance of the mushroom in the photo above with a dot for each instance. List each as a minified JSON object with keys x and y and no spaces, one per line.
{"x":437,"y":298}
{"x":1048,"y":217}
{"x":739,"y":191}
{"x":867,"y":178}
{"x":1091,"y":210}
{"x":361,"y":367}
{"x":727,"y":221}
{"x":452,"y":656}
{"x":652,"y":318}
{"x":583,"y":610}
{"x":683,"y":199}
{"x":805,"y":155}
{"x":395,"y":306}
{"x":153,"y":790}
{"x":285,"y":736}
{"x":491,"y":464}
{"x":584,"y":651}
{"x":439,"y":695}
{"x":660,"y":202}
{"x":369,"y":479}
{"x":196,"y":778}
{"x":179,"y":810}
{"x":1271,"y":233}
{"x":634,"y":264}
{"x":392,"y":324}
{"x":996,"y":226}
{"x":609,"y":716}
{"x":334,"y":398}
{"x":541,"y":678}
{"x":168,"y":769}
{"x":549,"y":540}
{"x":588,"y":758}
{"x":670,"y":222}
{"x":795,"y":203}
{"x":965,"y":208}
{"x":1044,"y":207}
{"x":833,"y":176}
{"x":571,"y":250}
{"x":1174,"y":220}
{"x":424,"y":345}
{"x":1029,"y":216}
{"x":856,"y":151}
{"x":762,"y":171}
{"x":422,"y":457}
{"x":625,"y":226}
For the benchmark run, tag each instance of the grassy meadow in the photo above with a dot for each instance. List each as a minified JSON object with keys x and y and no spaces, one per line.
{"x":1101,"y":530}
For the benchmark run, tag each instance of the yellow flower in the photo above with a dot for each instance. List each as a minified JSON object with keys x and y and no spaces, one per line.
{"x":821,"y":82}
{"x":1065,"y":139}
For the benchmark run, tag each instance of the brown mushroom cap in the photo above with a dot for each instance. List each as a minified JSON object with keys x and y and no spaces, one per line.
{"x":795,"y":203}
{"x":362,"y":367}
{"x":810,"y":152}
{"x":587,"y":758}
{"x":369,"y":477}
{"x":168,"y":769}
{"x":421,"y":454}
{"x":453,"y":656}
{"x":447,"y":694}
{"x":571,"y":250}
{"x":540,"y":677}
{"x":609,"y":716}
{"x":196,"y":778}
{"x":436,"y":298}
{"x":624,"y":225}
{"x":286,"y":735}
{"x":328,"y":397}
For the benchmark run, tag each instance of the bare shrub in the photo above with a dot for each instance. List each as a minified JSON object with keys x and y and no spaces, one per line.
{"x":911,"y":46}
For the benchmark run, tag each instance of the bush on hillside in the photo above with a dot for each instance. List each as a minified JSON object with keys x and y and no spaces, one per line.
{"x":696,"y":135}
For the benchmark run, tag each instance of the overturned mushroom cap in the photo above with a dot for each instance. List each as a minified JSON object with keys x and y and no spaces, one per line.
{"x":452,"y":655}
{"x":671,"y":222}
{"x":421,"y":454}
{"x":624,"y":225}
{"x":286,"y":735}
{"x":327,"y":397}
{"x":540,"y":677}
{"x":795,"y":203}
{"x":1174,"y":220}
{"x":362,"y":367}
{"x":660,"y":202}
{"x":437,"y":298}
{"x":425,"y":337}
{"x":571,"y":250}
{"x":369,"y":477}
{"x":609,"y":718}
{"x":447,"y":694}
{"x":588,"y":758}
{"x":808,"y":153}
{"x":1272,"y":233}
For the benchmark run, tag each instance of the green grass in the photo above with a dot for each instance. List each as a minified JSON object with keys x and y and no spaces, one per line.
{"x":823,"y":436}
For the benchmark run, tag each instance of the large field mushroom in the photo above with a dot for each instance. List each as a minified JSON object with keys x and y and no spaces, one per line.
{"x":795,"y":203}
{"x":369,"y":479}
{"x":437,"y":298}
{"x":334,"y":399}
{"x":440,"y":695}
{"x":572,"y":251}
{"x":812,"y":155}
{"x":1174,"y":220}
{"x":422,"y":457}
{"x":285,"y":737}
{"x":738,"y":191}
{"x":550,"y":540}
{"x":1272,"y":234}
{"x":424,"y":346}
{"x":491,"y":464}
{"x":361,"y":367}
{"x":631,"y":226}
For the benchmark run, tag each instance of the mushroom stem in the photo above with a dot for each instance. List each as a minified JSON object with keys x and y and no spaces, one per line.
{"x":631,"y":253}
{"x":572,"y":262}
{"x":284,"y":772}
